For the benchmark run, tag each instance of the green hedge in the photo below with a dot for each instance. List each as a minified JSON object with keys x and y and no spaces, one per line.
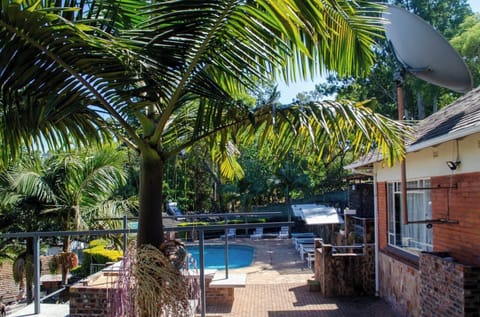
{"x":97,"y":253}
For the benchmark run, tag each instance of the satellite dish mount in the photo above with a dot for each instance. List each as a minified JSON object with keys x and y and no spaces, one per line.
{"x":424,"y":53}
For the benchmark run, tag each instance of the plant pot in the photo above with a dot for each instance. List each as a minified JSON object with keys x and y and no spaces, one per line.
{"x":313,"y":285}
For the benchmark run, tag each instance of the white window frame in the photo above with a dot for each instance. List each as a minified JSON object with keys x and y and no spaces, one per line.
{"x":416,"y":237}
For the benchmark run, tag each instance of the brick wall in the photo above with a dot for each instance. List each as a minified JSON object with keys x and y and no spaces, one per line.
{"x":8,"y":289}
{"x":218,"y":295}
{"x":86,"y":301}
{"x":44,"y":260}
{"x":449,"y":289}
{"x":90,"y":299}
{"x":382,"y":214}
{"x":461,"y":240}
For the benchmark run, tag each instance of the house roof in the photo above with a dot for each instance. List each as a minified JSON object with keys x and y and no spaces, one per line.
{"x":459,"y":119}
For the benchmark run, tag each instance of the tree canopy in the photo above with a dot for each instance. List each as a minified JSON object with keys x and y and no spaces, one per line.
{"x":421,"y":98}
{"x":168,"y":74}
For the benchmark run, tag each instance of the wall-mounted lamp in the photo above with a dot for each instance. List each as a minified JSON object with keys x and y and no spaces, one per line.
{"x":452,"y":165}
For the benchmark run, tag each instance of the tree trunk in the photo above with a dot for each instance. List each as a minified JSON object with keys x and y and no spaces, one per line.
{"x":150,"y":221}
{"x":420,"y":106}
{"x":435,"y":102}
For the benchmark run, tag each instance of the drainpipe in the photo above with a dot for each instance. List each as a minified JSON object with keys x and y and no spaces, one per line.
{"x":403,"y":164}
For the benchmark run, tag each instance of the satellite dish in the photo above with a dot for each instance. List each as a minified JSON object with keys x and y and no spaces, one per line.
{"x":425,"y":53}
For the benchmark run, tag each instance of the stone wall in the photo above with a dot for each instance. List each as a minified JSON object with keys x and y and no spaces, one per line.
{"x":449,"y":289}
{"x":344,"y":274}
{"x":399,"y":285}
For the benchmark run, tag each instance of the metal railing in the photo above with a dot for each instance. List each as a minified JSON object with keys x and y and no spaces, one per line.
{"x":37,"y":236}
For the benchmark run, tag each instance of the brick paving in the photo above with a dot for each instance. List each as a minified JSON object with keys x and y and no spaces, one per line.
{"x":277,"y":287}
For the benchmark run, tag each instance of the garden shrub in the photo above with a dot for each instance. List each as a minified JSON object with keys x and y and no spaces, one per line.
{"x":97,"y":253}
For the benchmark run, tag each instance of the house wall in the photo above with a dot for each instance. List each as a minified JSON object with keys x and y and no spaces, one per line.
{"x":462,"y":240}
{"x":457,"y":198}
{"x":432,"y":161}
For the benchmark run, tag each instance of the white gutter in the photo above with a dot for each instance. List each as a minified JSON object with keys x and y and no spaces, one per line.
{"x":445,"y":138}
{"x":416,"y":147}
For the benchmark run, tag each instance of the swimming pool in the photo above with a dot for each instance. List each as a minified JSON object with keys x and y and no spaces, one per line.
{"x":238,"y":256}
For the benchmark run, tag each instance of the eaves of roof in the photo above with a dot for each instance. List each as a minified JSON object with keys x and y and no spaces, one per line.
{"x":459,"y":119}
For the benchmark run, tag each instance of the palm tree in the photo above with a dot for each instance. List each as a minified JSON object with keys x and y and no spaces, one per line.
{"x":71,"y":188}
{"x":177,"y":69}
{"x":19,"y":212}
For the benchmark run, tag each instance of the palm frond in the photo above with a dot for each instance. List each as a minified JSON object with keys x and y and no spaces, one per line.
{"x":55,"y":79}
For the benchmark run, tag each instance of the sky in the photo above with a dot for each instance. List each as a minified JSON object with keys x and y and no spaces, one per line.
{"x":289,"y":92}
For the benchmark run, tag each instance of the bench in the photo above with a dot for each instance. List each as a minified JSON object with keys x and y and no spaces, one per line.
{"x":221,"y":290}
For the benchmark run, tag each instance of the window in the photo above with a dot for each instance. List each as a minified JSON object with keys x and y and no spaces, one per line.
{"x":412,"y":237}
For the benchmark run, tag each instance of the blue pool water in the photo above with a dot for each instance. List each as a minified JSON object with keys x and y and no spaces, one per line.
{"x":238,"y":256}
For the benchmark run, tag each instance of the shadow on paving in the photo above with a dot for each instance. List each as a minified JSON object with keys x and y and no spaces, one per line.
{"x":358,"y":306}
{"x":218,"y":309}
{"x":277,"y":287}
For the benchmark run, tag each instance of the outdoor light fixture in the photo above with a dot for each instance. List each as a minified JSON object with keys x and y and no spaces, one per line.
{"x":453,"y":165}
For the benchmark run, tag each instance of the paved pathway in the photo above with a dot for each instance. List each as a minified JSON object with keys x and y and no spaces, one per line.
{"x":277,"y":287}
{"x":46,"y":310}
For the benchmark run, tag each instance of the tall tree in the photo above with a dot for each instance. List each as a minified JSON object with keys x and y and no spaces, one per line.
{"x":467,"y":43}
{"x":68,"y":189}
{"x":176,"y":68}
{"x":421,"y":98}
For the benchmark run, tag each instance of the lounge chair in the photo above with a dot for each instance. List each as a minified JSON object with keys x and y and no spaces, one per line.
{"x":231,"y":234}
{"x":283,"y":234}
{"x":305,"y":248}
{"x":310,"y":259}
{"x":299,"y":241}
{"x":258,"y":234}
{"x":303,"y":235}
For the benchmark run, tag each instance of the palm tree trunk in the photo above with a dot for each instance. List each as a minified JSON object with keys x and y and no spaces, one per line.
{"x":150,"y":221}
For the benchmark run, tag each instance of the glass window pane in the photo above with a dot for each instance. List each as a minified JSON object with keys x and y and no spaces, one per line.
{"x":411,"y":237}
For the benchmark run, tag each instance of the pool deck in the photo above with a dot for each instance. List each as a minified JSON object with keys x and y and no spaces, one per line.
{"x":275,"y":285}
